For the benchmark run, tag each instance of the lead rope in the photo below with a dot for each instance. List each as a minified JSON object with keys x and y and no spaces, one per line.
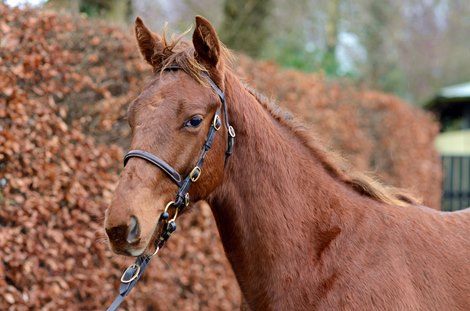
{"x":132,"y":274}
{"x":129,"y":279}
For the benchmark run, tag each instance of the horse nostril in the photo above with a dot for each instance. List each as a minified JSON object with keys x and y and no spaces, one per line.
{"x":134,"y":231}
{"x":116,"y":234}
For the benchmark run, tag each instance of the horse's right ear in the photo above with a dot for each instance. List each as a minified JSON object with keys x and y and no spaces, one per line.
{"x":149,"y":42}
{"x":206,"y":43}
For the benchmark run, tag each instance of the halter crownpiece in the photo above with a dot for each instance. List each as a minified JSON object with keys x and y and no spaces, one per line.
{"x":134,"y":271}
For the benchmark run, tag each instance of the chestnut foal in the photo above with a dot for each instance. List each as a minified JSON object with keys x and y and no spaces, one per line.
{"x":300,"y":232}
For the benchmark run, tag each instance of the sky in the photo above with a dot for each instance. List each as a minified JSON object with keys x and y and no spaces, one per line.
{"x":23,"y":2}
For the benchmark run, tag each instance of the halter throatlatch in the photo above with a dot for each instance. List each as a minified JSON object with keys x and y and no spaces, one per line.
{"x":168,"y":226}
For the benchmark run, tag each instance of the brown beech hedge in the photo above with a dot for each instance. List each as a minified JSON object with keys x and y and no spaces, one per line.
{"x":64,"y":87}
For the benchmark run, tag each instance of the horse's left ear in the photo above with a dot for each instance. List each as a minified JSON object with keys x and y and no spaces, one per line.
{"x":150,"y":44}
{"x":207,"y":44}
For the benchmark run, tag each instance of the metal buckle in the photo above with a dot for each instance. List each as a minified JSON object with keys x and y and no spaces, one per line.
{"x":186,"y":199}
{"x":216,"y":123}
{"x":195,"y":174}
{"x":134,"y":275}
{"x":231,"y":131}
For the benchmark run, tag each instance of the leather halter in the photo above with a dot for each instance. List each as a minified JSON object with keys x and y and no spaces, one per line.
{"x":182,"y":196}
{"x":133,"y":273}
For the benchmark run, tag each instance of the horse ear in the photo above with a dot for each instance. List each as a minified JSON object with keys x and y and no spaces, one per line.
{"x":149,"y":42}
{"x":206,"y":43}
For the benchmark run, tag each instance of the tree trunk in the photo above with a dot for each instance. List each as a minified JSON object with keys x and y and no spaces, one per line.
{"x":375,"y":35}
{"x":332,"y":29}
{"x":243,"y":28}
{"x":119,"y":11}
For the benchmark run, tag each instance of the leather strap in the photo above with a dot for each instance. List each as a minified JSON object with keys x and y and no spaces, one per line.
{"x":126,"y":286}
{"x":230,"y":130}
{"x":174,"y":175}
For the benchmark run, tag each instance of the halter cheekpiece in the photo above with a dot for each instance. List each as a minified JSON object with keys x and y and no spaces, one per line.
{"x":133,"y":273}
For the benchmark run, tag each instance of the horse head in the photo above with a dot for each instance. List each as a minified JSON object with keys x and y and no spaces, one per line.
{"x":170,"y":122}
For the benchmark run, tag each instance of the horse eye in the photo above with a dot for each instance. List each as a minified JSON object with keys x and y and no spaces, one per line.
{"x":193,"y":122}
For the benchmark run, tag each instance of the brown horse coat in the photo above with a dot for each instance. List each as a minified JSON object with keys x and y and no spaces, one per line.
{"x":300,"y":231}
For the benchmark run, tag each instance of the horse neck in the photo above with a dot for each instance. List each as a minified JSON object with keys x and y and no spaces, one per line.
{"x":277,"y":202}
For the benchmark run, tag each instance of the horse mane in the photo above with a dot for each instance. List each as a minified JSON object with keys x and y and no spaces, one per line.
{"x":181,"y":53}
{"x":334,"y":164}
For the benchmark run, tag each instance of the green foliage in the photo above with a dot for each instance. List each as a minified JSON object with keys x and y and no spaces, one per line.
{"x":290,"y":53}
{"x":393,"y":81}
{"x":90,"y":10}
{"x":330,"y":64}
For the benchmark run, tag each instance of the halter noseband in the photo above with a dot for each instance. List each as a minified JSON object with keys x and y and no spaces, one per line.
{"x":182,"y":196}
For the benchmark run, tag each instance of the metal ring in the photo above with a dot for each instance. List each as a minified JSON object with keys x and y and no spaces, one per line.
{"x":168,"y":205}
{"x":216,"y":123}
{"x":195,"y":169}
{"x":134,"y":276}
{"x":174,"y":216}
{"x":231,"y":131}
{"x":176,"y":212}
{"x":156,"y":251}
